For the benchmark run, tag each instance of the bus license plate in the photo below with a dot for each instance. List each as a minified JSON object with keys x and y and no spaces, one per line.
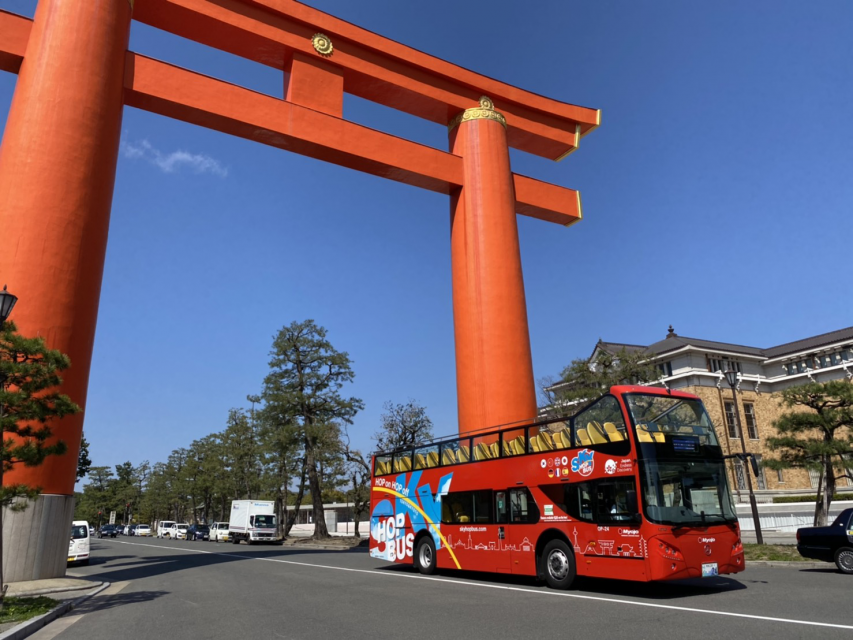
{"x":710,"y":569}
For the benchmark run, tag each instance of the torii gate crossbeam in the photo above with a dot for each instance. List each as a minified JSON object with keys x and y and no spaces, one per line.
{"x":60,"y":149}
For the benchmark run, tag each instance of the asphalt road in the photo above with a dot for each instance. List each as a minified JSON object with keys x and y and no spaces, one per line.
{"x":163,"y":589}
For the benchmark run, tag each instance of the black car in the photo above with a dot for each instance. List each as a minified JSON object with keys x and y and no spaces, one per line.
{"x":108,"y":530}
{"x":830,"y":544}
{"x":198,"y":532}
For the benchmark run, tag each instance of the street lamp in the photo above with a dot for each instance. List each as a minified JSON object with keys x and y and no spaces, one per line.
{"x":7,"y":303}
{"x":731,"y":378}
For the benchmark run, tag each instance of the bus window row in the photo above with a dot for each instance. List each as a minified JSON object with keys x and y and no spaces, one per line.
{"x":486,"y":506}
{"x":598,"y":426}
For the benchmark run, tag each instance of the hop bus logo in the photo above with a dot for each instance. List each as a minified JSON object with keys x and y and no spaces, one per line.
{"x":583,"y":463}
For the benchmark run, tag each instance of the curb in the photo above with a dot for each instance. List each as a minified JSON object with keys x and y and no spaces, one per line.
{"x":42,"y":592}
{"x":32,"y":625}
{"x":779,"y":564}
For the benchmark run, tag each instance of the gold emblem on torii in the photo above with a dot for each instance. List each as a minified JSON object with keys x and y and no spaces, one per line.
{"x":486,"y":111}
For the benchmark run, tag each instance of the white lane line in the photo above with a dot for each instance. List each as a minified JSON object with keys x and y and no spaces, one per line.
{"x":558,"y":594}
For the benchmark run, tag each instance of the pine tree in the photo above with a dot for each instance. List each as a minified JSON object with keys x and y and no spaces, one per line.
{"x":817,"y":434}
{"x":29,"y":401}
{"x":305,"y":379}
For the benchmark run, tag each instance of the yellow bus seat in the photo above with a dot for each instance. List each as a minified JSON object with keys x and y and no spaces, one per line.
{"x":494,"y":450}
{"x":406,"y":464}
{"x":518,"y":443}
{"x":583,"y":437}
{"x":420,"y":461}
{"x":464,"y":454}
{"x":535,"y":445}
{"x":383,"y":468}
{"x":612,"y":432}
{"x":448,"y":457}
{"x":658,"y":436}
{"x":509,"y":450}
{"x":480,"y":452}
{"x":432,"y":459}
{"x":566,"y":437}
{"x":643,"y":433}
{"x":558,"y":441}
{"x":546,"y":441}
{"x":595,"y":433}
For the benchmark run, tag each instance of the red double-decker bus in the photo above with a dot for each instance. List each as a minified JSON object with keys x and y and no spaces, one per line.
{"x":632,"y":487}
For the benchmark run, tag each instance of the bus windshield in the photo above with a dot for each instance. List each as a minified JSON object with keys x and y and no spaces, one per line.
{"x":686,"y":492}
{"x":682,"y":474}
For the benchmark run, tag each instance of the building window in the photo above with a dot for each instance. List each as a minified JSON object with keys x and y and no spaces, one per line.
{"x":751,"y":427}
{"x":740,"y":475}
{"x":762,"y":479}
{"x":723,"y":364}
{"x":664,"y":369}
{"x":780,"y":477}
{"x":730,"y":420}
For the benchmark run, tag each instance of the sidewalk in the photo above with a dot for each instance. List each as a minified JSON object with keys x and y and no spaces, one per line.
{"x":69,"y":593}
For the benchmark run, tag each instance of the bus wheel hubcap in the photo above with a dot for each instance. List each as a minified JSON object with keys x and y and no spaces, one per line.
{"x":426,"y":556}
{"x":558,"y":565}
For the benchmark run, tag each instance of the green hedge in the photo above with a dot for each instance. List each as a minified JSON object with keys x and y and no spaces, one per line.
{"x":837,"y":496}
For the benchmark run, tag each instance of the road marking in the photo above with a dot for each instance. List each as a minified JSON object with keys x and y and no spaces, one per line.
{"x":557,"y":594}
{"x":61,"y":624}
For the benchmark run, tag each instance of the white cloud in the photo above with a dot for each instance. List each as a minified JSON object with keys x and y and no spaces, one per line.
{"x":175,"y":161}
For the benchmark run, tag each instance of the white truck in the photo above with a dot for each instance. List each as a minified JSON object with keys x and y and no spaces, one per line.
{"x":252,"y":521}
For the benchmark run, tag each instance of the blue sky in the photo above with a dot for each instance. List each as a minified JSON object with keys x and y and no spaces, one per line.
{"x":717,"y":198}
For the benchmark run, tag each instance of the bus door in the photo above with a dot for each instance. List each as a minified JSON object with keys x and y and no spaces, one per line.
{"x":519,"y":512}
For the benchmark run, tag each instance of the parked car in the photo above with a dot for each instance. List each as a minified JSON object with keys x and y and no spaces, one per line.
{"x":830,"y":544}
{"x":133,"y":529}
{"x":107,"y":531}
{"x":219,"y":532}
{"x":91,"y":531}
{"x":142,"y":530}
{"x":178,"y":531}
{"x":163,"y":527}
{"x":198,"y":532}
{"x":78,"y":546}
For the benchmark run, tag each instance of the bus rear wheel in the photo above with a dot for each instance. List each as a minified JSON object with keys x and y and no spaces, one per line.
{"x":558,"y":565}
{"x":425,"y":556}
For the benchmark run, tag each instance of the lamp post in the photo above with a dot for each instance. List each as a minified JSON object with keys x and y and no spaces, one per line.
{"x":731,"y":378}
{"x":7,"y":303}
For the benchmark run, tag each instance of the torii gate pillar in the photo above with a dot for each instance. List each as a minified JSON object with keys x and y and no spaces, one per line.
{"x":57,"y":172}
{"x":494,"y":368}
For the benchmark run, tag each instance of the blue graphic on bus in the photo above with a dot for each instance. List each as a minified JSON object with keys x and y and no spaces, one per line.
{"x":583,"y":463}
{"x":389,"y":526}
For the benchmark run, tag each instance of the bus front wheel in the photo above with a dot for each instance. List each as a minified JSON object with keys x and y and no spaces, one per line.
{"x":425,"y":556}
{"x":558,"y":565}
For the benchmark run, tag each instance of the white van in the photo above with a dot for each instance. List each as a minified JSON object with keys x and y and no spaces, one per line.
{"x":219,"y":532}
{"x":163,"y":527}
{"x":78,"y":547}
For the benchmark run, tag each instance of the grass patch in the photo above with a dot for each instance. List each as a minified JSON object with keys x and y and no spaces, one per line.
{"x":777,"y":552}
{"x":20,"y":609}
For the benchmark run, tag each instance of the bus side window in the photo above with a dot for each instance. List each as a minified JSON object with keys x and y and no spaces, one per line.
{"x":579,"y":500}
{"x":500,"y":507}
{"x":522,"y":507}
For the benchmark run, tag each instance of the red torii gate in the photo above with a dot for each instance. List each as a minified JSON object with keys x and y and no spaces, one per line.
{"x":60,"y":147}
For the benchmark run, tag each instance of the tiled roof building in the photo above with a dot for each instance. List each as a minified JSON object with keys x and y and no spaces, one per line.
{"x":697,"y":365}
